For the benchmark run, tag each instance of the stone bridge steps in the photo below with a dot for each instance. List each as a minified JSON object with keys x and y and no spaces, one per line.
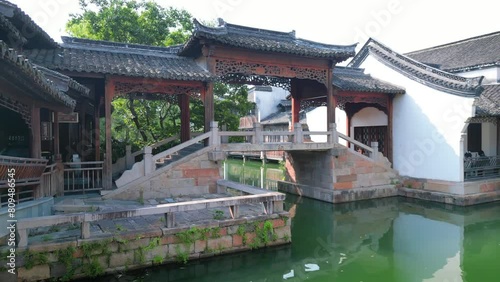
{"x":185,"y":173}
{"x":353,"y":170}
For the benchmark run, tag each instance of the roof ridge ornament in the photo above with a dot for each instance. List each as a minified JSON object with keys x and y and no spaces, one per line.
{"x":221,"y":22}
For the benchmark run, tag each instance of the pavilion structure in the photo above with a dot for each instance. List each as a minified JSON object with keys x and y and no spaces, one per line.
{"x":228,"y":53}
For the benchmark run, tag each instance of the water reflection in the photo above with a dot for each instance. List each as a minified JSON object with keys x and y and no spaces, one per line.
{"x":393,"y":239}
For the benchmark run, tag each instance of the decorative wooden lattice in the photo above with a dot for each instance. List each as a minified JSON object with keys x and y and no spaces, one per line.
{"x":280,"y":82}
{"x":343,"y":100}
{"x":154,"y":91}
{"x":368,"y":134}
{"x":225,"y":67}
{"x":17,"y":107}
{"x":312,"y":103}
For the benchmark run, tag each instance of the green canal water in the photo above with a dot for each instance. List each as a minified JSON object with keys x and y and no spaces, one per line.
{"x":392,"y":239}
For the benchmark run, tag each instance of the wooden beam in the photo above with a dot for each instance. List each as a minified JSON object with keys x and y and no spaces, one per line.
{"x":244,"y":55}
{"x":57,"y":153}
{"x":154,"y":81}
{"x":185,"y":117}
{"x":108,"y":93}
{"x":36,"y":141}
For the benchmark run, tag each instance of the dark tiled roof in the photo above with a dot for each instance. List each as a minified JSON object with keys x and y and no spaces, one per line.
{"x":468,"y":54}
{"x":9,"y":33}
{"x":264,"y":40}
{"x":24,"y":68}
{"x":104,"y":57}
{"x":64,"y":83}
{"x":488,"y":104}
{"x":285,"y":103}
{"x":34,"y":36}
{"x":422,"y":73}
{"x":354,"y":79}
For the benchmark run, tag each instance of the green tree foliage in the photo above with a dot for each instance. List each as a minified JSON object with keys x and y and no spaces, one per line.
{"x":230,"y":103}
{"x":140,"y":122}
{"x":130,"y":21}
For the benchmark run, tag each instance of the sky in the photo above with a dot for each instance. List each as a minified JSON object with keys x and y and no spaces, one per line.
{"x":403,"y":25}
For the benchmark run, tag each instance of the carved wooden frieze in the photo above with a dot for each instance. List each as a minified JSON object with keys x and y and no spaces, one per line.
{"x":225,"y":67}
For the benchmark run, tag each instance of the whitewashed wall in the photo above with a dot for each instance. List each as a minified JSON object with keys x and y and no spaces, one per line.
{"x":267,"y":102}
{"x":427,"y":126}
{"x":369,"y":116}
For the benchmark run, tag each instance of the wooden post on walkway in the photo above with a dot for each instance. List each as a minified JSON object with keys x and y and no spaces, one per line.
{"x":299,"y":135}
{"x":148,"y":160}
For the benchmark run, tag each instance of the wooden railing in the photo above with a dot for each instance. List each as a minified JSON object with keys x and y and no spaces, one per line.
{"x":48,"y":184}
{"x":82,"y":176}
{"x":481,"y":167}
{"x":273,"y":203}
{"x":27,"y":174}
{"x":26,"y":171}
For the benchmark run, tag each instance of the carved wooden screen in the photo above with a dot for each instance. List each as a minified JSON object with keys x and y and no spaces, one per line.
{"x":368,"y":134}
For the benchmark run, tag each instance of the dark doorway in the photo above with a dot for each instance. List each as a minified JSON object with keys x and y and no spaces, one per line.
{"x":14,"y":134}
{"x":474,"y":137}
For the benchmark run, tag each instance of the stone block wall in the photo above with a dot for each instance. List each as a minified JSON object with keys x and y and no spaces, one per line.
{"x":194,"y":175}
{"x":338,"y":175}
{"x":132,"y":250}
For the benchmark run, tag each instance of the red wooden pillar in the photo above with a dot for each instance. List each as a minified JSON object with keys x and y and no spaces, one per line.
{"x":57,"y":153}
{"x":83,"y":132}
{"x":294,"y":91}
{"x":36,"y":141}
{"x":330,"y":99}
{"x":185,"y":117}
{"x":97,"y":131}
{"x":208,"y":104}
{"x":107,"y":173}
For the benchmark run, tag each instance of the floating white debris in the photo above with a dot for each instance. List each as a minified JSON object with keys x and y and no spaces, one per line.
{"x":341,"y":260}
{"x":311,"y":267}
{"x":289,"y":275}
{"x":342,"y":254}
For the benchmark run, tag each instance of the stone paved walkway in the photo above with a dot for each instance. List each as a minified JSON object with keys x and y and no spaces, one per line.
{"x":92,"y":203}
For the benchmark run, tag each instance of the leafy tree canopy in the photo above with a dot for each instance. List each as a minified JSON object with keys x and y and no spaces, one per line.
{"x":141,"y":22}
{"x":140,"y":122}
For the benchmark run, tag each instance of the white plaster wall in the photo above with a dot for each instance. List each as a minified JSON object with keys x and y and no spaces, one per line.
{"x":369,"y":116}
{"x":341,"y":122}
{"x":267,"y":102}
{"x":427,"y":126}
{"x":491,"y":75}
{"x":489,"y":139}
